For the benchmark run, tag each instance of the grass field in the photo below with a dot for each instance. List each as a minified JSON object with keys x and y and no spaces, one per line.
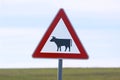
{"x":68,"y":74}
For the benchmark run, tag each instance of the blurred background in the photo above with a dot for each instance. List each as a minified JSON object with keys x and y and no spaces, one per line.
{"x":24,"y":22}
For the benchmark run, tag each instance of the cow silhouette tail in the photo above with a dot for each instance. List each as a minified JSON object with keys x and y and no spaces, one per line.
{"x":70,"y":42}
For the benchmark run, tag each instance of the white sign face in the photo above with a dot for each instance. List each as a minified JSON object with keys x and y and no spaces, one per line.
{"x":60,"y":33}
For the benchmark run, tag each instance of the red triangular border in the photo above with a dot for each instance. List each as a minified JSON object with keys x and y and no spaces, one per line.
{"x":61,"y":15}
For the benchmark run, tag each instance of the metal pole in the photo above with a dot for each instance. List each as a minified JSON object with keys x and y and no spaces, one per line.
{"x":60,"y":69}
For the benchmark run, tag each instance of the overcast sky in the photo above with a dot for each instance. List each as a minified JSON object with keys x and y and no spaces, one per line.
{"x":24,"y":22}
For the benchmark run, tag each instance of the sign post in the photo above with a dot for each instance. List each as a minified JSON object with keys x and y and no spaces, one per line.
{"x":60,"y":69}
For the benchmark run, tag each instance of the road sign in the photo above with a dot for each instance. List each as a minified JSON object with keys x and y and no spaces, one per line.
{"x":60,"y":40}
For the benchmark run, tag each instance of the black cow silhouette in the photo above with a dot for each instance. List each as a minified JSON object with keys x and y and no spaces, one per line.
{"x":62,"y":42}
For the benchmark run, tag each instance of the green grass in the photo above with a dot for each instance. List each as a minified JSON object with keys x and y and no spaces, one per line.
{"x":68,"y":74}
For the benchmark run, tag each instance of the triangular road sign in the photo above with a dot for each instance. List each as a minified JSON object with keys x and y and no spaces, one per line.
{"x":38,"y":53}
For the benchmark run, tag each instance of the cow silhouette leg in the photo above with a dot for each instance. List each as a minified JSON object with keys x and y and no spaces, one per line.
{"x":57,"y":48}
{"x":60,"y":48}
{"x":65,"y":48}
{"x":69,"y":48}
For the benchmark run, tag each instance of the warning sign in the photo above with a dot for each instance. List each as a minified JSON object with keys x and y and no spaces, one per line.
{"x":60,"y":40}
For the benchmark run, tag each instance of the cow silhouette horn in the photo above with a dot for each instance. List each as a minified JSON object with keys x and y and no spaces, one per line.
{"x":53,"y":36}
